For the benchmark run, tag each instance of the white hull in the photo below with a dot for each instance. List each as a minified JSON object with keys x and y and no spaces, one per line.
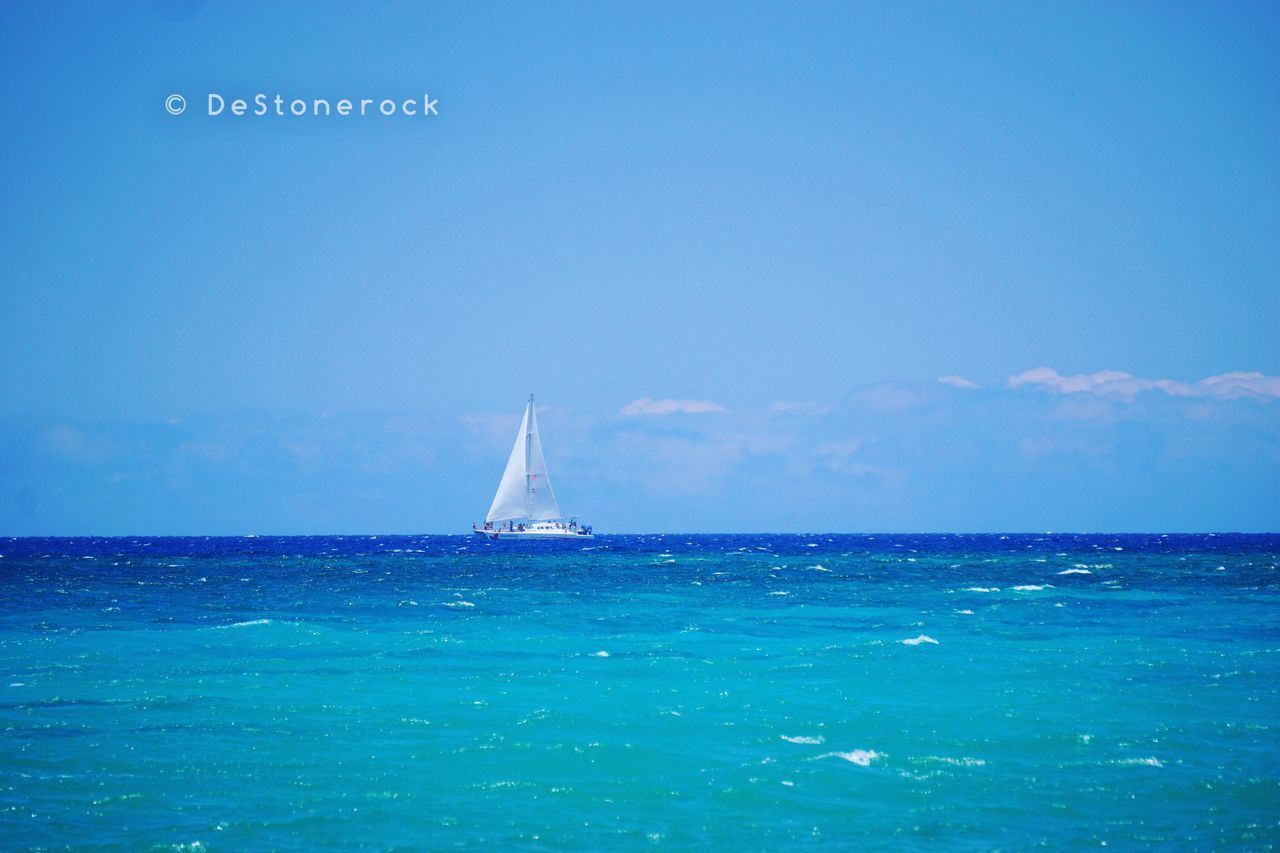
{"x":527,"y":535}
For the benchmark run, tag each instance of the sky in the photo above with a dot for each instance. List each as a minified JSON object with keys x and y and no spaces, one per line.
{"x":768,"y":267}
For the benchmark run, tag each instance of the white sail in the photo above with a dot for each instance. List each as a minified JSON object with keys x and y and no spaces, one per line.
{"x":542,"y":499}
{"x":509,"y":501}
{"x":525,"y":491}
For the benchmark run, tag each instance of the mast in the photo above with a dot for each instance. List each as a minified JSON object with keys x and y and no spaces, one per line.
{"x":528,"y":471}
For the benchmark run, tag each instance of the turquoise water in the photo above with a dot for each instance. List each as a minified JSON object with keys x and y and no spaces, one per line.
{"x":750,"y":691}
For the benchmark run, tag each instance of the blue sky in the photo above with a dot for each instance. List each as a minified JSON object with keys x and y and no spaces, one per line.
{"x":779,"y":224}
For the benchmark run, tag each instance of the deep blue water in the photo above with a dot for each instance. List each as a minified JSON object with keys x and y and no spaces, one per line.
{"x":753,"y":691}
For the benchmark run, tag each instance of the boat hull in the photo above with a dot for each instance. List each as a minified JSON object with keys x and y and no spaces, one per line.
{"x":530,"y":535}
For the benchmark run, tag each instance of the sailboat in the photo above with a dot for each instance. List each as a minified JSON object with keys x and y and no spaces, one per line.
{"x":524,"y":506}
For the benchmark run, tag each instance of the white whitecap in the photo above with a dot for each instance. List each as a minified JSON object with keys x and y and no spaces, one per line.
{"x":861,"y":757}
{"x":958,"y":762}
{"x":1032,"y":587}
{"x":600,"y":654}
{"x":1075,"y":572}
{"x":246,"y":624}
{"x":1150,"y":761}
{"x":803,"y":739}
{"x":923,"y":638}
{"x":459,"y":604}
{"x":982,"y":589}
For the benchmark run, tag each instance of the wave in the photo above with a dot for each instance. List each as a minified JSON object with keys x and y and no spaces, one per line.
{"x":1075,"y":572}
{"x":1149,"y":761}
{"x":245,"y":624}
{"x":861,"y":757}
{"x":803,"y":739}
{"x":923,"y":638}
{"x":958,"y":762}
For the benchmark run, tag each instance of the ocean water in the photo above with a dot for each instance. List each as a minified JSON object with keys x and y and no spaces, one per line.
{"x":733,"y":691}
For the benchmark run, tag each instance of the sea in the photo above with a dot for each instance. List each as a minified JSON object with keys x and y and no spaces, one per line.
{"x":745,"y":692}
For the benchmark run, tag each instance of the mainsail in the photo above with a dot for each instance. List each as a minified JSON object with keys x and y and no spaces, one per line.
{"x":525,"y":491}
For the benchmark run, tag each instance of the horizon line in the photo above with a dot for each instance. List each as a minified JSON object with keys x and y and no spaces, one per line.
{"x":467,"y":534}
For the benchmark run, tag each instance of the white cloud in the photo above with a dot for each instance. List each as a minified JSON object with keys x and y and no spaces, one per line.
{"x":800,"y":408}
{"x":1102,"y":382}
{"x":1240,"y":383}
{"x":78,"y":445}
{"x":211,"y":451}
{"x":1120,"y":384}
{"x":647,"y":406}
{"x":696,"y":460}
{"x":841,"y":457}
{"x":958,"y":382}
{"x":889,"y":398}
{"x":839,"y":450}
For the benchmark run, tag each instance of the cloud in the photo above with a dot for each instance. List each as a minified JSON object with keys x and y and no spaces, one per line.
{"x":647,"y":406}
{"x":77,"y":445}
{"x":210,"y":451}
{"x":800,"y":408}
{"x":841,"y":457}
{"x":839,"y":450}
{"x":958,"y":382}
{"x":1242,"y":384}
{"x":696,"y":458}
{"x":1116,"y":383}
{"x":1102,"y":382}
{"x":887,"y":397}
